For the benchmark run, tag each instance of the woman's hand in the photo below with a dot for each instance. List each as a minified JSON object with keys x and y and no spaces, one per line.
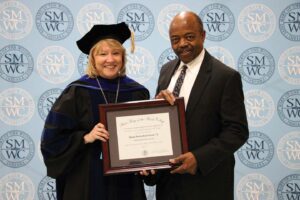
{"x":97,"y":133}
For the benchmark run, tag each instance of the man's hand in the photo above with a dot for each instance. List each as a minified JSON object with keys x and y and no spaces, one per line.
{"x":187,"y":164}
{"x":167,"y":95}
{"x":147,"y":172}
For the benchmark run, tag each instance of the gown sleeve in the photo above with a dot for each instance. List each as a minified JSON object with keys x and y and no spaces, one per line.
{"x":62,"y":138}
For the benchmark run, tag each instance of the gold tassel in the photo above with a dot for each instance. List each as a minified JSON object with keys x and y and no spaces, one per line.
{"x":132,"y":41}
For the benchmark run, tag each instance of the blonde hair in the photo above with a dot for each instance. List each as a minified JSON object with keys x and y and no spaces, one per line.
{"x":91,"y":68}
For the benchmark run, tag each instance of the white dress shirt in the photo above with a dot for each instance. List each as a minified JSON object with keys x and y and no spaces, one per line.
{"x":192,"y":71}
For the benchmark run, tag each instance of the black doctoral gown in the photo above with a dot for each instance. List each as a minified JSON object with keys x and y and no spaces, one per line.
{"x":78,"y":167}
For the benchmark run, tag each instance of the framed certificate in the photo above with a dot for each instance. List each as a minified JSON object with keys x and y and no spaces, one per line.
{"x":143,"y":135}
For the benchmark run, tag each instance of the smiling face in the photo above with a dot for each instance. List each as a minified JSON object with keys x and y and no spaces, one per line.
{"x":108,"y":56}
{"x":186,"y":36}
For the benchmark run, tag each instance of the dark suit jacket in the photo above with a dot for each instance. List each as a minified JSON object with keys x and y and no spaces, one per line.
{"x":216,"y":127}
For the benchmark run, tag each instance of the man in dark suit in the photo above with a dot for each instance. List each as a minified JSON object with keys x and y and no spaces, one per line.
{"x":215,"y":117}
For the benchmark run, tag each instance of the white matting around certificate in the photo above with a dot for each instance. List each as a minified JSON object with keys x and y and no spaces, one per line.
{"x":142,"y":136}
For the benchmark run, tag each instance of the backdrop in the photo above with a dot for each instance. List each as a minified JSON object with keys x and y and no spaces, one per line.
{"x":260,"y":39}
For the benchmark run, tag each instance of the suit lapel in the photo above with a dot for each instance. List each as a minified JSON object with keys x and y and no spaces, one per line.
{"x":201,"y":82}
{"x":168,"y":73}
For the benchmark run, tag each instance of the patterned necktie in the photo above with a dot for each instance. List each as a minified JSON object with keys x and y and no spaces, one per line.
{"x":179,"y":81}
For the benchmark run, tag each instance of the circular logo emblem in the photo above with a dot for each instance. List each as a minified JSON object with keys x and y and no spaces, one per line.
{"x":16,"y":106}
{"x":218,"y":21}
{"x":255,"y":186}
{"x":16,"y":186}
{"x":288,"y":187}
{"x":55,"y":64}
{"x":82,"y":63}
{"x":16,"y":63}
{"x":289,"y":65}
{"x":140,"y":65}
{"x":288,"y":150}
{"x":166,"y":56}
{"x":16,"y":20}
{"x":54,"y":21}
{"x":289,"y":22}
{"x":259,"y":106}
{"x":256,"y":22}
{"x":91,"y":14}
{"x":165,"y":17}
{"x":223,"y":55}
{"x":47,"y":100}
{"x":288,"y":108}
{"x":47,"y":189}
{"x":257,"y":152}
{"x":17,"y":149}
{"x":139,"y":19}
{"x":256,"y":65}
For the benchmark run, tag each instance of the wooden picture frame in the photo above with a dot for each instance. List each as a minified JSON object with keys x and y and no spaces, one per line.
{"x":143,"y":135}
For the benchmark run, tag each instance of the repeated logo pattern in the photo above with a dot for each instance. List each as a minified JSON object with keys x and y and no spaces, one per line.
{"x":258,"y":151}
{"x":16,"y":63}
{"x":289,"y":65}
{"x":82,"y":62}
{"x":16,"y":185}
{"x":166,"y":56}
{"x":47,"y":189}
{"x":38,"y":58}
{"x":54,"y":21}
{"x":140,"y":65}
{"x":15,"y":20}
{"x":257,"y":22}
{"x":288,"y":150}
{"x":218,"y":21}
{"x":289,"y":22}
{"x":255,"y":186}
{"x":47,"y":100}
{"x":260,"y":107}
{"x":165,"y":16}
{"x":288,"y":187}
{"x":55,"y":64}
{"x":91,"y":14}
{"x":288,"y":108}
{"x":256,"y":65}
{"x":224,"y":55}
{"x":17,"y":148}
{"x":139,"y":19}
{"x":16,"y":106}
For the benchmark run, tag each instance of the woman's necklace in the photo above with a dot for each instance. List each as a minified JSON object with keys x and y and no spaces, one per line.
{"x":117,"y":92}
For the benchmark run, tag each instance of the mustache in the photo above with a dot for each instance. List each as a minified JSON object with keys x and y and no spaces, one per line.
{"x":183,"y":49}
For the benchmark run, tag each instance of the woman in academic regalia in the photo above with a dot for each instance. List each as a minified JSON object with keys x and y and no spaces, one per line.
{"x":72,"y":135}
